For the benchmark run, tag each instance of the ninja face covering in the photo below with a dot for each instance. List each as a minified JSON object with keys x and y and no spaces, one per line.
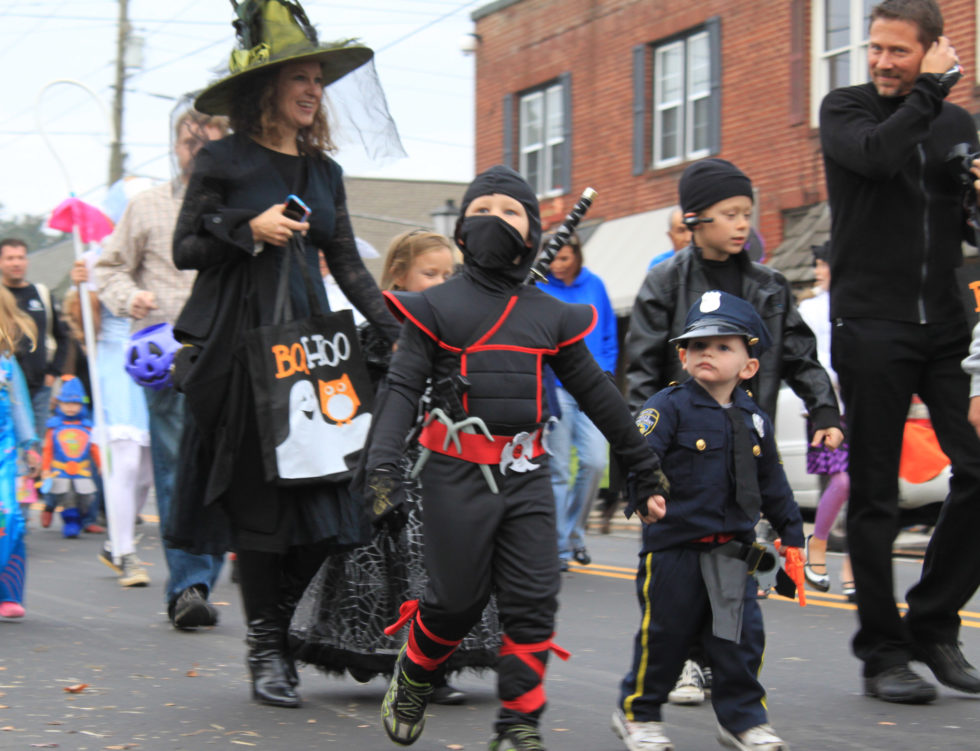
{"x":494,"y":246}
{"x":491,"y":248}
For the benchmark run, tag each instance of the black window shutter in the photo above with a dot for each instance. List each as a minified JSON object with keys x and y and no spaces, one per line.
{"x":508,"y":156}
{"x":713,"y":25}
{"x":565,"y":79}
{"x":639,"y":108}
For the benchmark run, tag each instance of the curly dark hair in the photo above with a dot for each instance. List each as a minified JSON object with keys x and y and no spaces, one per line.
{"x":253,"y":112}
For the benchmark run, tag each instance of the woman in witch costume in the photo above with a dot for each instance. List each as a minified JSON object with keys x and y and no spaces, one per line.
{"x":232,"y":229}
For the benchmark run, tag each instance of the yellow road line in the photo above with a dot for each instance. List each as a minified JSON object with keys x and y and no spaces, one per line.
{"x":602,"y":566}
{"x":820,"y":599}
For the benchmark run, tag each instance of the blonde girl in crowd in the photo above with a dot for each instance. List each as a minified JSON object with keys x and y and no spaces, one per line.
{"x":16,"y":432}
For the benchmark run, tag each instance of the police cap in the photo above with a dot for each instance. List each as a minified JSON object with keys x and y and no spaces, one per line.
{"x":721,"y":314}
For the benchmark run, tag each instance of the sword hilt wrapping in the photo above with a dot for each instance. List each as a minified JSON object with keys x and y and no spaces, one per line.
{"x":560,"y":238}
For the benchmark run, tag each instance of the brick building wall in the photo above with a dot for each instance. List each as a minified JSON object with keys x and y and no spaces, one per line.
{"x":765,"y":92}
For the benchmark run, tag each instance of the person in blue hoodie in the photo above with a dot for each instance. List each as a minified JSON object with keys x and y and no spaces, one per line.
{"x":571,"y":282}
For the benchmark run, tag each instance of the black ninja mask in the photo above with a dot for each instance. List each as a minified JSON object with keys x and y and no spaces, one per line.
{"x":489,"y":244}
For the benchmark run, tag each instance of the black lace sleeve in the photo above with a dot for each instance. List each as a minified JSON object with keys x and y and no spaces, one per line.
{"x":208,"y":233}
{"x":348,"y":269}
{"x":376,"y":350}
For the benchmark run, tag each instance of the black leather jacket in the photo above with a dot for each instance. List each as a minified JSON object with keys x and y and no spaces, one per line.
{"x":668,"y":292}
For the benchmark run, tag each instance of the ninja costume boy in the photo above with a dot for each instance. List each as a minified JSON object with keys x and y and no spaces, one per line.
{"x":482,"y":339}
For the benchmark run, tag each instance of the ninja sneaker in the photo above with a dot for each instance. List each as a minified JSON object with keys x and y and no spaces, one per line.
{"x":690,"y":686}
{"x":517,"y":738}
{"x":759,"y":738}
{"x":403,"y":708}
{"x":640,"y":736}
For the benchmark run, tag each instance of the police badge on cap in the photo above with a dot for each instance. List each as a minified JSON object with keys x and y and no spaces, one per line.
{"x":718,"y":313}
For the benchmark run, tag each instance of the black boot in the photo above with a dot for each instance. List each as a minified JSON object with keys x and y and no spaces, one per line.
{"x":287,"y":606}
{"x":261,"y":579}
{"x":271,"y":682}
{"x":301,"y":565}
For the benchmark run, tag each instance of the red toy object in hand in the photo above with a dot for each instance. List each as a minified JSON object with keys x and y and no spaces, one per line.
{"x":794,"y":569}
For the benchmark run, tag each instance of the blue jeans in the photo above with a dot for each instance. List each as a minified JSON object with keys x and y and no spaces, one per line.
{"x":41,"y":402}
{"x":166,"y":410}
{"x":573,"y":502}
{"x":97,"y":506}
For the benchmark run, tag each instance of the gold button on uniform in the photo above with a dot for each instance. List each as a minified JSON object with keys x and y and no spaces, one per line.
{"x":701,"y":445}
{"x":756,"y":450}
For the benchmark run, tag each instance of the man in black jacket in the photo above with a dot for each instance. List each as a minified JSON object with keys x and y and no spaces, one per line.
{"x":900,"y":212}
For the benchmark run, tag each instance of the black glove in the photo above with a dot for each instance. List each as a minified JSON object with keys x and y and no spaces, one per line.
{"x":385,"y":495}
{"x":640,"y":487}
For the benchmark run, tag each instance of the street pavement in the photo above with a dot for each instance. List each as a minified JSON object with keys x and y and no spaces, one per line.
{"x":149,"y":687}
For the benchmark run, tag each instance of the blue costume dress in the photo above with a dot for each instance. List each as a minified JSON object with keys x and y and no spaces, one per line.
{"x":16,"y":431}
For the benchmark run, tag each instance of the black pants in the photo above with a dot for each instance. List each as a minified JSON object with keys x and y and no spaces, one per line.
{"x":477,"y":541}
{"x":881,"y":364}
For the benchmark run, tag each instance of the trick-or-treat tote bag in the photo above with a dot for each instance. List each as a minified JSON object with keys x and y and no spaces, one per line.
{"x":313,"y":397}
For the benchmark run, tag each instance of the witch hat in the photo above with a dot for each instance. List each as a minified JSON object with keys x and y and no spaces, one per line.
{"x":272,"y":32}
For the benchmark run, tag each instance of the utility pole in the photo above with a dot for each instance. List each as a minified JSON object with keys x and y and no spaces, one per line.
{"x":116,"y":155}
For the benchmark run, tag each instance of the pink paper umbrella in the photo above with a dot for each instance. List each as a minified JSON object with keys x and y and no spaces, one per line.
{"x":92,"y":224}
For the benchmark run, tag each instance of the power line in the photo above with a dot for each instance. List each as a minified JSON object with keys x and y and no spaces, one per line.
{"x":75,"y":106}
{"x":437,"y":143}
{"x":57,"y":117}
{"x":425,"y":26}
{"x":182,"y":56}
{"x":30,"y":31}
{"x":50,"y":16}
{"x":31,"y":106}
{"x":443,"y":73}
{"x":171,"y":19}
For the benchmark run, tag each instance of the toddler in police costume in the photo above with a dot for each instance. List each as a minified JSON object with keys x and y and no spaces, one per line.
{"x":694,"y":580}
{"x":488,"y":513}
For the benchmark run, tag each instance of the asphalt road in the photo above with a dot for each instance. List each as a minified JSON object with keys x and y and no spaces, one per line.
{"x":151,"y":687}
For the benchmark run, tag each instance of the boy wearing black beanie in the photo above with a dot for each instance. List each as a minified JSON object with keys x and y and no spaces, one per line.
{"x":482,"y":339}
{"x":716,"y":198}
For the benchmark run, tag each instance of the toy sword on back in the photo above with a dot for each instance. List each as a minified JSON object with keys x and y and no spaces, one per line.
{"x":559,"y":240}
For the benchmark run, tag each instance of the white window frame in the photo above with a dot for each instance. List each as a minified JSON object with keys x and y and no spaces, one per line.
{"x":548,"y":142}
{"x":857,"y":46}
{"x":684,"y":106}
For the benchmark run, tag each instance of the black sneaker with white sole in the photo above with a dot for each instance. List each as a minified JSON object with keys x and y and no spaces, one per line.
{"x":192,"y":610}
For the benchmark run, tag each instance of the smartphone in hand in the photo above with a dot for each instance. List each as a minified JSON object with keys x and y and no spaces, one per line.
{"x":296,"y":208}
